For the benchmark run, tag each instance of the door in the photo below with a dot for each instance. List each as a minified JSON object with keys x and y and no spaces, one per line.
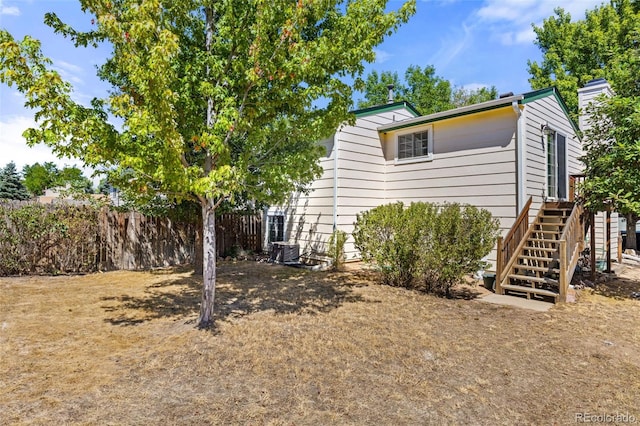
{"x":557,"y":177}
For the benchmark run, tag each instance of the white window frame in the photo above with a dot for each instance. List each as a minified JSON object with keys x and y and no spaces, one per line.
{"x":418,"y":158}
{"x":270,"y":220}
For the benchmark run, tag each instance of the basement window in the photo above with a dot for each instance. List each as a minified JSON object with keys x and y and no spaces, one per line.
{"x":416,"y":146}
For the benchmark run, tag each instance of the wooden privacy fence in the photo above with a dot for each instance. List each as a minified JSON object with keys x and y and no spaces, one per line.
{"x":133,"y":241}
{"x":238,"y":231}
{"x":63,"y":238}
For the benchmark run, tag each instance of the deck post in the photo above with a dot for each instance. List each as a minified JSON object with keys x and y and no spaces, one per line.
{"x":499,"y":266}
{"x":562,"y":276}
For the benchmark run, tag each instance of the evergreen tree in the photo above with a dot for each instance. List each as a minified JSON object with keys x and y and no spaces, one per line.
{"x":11,"y":186}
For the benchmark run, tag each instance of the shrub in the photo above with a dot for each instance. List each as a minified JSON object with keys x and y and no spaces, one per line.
{"x":389,"y":235}
{"x":36,"y":238}
{"x":336,"y":249}
{"x":425,"y":245}
{"x":460,"y":237}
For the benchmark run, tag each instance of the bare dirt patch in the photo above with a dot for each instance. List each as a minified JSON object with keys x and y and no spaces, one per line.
{"x":299,"y":347}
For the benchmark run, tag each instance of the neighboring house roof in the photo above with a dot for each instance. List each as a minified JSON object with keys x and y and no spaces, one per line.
{"x":386,"y":107}
{"x":521,"y":99}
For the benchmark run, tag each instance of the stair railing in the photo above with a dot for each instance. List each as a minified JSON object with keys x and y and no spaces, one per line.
{"x":570,"y":245}
{"x":508,"y":246}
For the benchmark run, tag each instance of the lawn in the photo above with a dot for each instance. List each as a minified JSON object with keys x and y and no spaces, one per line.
{"x":295,"y":347}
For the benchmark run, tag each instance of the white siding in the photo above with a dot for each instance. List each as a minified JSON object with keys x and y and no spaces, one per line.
{"x":361,"y":171}
{"x":310,"y":218}
{"x":547,"y":111}
{"x":601,"y":236}
{"x":473,"y":163}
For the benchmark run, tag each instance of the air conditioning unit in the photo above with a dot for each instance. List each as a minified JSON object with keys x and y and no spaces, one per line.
{"x":283,"y":252}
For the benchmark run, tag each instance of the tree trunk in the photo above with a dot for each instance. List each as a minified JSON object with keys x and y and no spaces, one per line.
{"x":199,"y":250}
{"x":209,"y":264}
{"x":631,"y":232}
{"x":208,"y":210}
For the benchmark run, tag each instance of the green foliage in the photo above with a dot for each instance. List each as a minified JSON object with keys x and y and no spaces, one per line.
{"x":336,"y":249}
{"x":11,"y":186}
{"x":424,"y":245}
{"x":600,"y":45}
{"x":422,"y":88}
{"x":39,"y":177}
{"x":462,"y":96}
{"x":459,"y":238}
{"x":612,"y":156}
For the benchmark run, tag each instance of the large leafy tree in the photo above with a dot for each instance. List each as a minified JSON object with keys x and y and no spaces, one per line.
{"x":38,"y":177}
{"x":604,"y":44}
{"x":217,"y":97}
{"x":424,"y":89}
{"x":11,"y":186}
{"x":612,"y":159}
{"x":575,"y":52}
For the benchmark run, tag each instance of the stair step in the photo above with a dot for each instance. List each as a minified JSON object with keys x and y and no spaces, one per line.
{"x":537,"y":258}
{"x":537,"y":268}
{"x":544,"y":240}
{"x":558,"y":224}
{"x":523,"y":289}
{"x":546,"y":231}
{"x":546,"y":220}
{"x":533,"y":279}
{"x":545,"y":249}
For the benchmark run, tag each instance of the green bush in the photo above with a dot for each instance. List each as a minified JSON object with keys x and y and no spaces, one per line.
{"x":424,"y":245}
{"x":389,"y":235}
{"x":460,"y":237}
{"x":36,"y":238}
{"x":336,"y":249}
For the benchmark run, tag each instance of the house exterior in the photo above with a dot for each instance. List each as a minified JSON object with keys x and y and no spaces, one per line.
{"x":494,"y":155}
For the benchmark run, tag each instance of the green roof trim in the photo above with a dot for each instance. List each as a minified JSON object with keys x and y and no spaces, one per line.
{"x":385,"y":108}
{"x":543,"y":93}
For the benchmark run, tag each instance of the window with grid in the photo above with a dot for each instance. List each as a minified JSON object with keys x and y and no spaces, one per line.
{"x":413,"y":145}
{"x":276,"y":228}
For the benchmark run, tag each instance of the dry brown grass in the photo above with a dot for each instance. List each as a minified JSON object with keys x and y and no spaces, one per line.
{"x":296,"y":347}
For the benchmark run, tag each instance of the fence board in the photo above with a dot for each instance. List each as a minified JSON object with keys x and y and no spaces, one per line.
{"x":63,"y":238}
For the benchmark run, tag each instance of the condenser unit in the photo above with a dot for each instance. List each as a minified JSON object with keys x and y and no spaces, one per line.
{"x":283,"y":252}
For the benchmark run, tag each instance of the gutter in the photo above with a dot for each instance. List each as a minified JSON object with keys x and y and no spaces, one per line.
{"x":520,"y":156}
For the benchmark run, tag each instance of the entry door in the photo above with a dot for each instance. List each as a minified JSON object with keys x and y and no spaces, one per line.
{"x":557,"y":177}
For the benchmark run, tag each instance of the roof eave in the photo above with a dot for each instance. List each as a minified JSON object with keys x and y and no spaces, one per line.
{"x":452,"y":113}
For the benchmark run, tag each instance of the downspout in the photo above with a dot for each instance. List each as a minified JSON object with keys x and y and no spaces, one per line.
{"x":335,"y":180}
{"x":520,"y":157}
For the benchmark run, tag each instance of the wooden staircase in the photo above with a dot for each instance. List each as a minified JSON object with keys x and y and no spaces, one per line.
{"x":538,"y":261}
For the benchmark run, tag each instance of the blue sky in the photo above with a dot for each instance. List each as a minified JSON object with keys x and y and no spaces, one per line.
{"x":472,"y":43}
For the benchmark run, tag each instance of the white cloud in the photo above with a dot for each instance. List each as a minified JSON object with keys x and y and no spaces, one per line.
{"x":69,"y":72}
{"x":9,"y":10}
{"x":474,"y":86}
{"x":14,"y":147}
{"x":450,"y":49}
{"x":382,"y":56}
{"x":510,"y":21}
